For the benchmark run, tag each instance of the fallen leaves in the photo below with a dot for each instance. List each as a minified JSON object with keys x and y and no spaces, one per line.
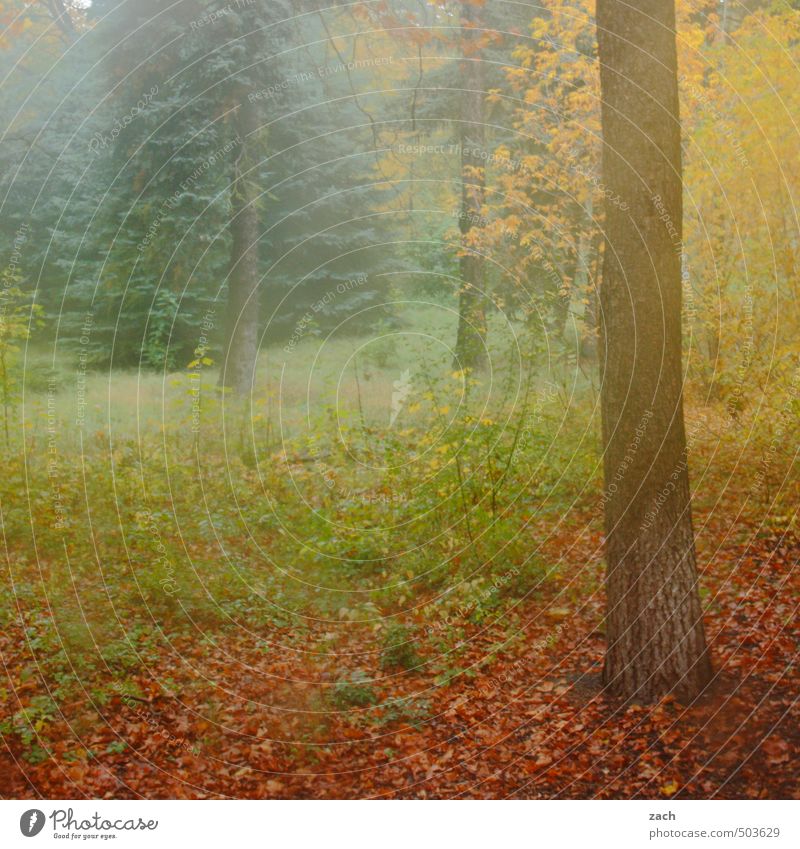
{"x":531,"y":722}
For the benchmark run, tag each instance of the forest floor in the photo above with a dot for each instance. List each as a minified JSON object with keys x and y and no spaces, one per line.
{"x":525,"y":721}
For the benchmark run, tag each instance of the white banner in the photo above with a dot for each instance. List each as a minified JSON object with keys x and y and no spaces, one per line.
{"x":403,"y":825}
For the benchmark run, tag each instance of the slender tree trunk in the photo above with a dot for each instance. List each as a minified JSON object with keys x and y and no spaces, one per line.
{"x":585,"y":289}
{"x":471,"y":336}
{"x":655,"y":638}
{"x":589,"y":343}
{"x":242,"y":312}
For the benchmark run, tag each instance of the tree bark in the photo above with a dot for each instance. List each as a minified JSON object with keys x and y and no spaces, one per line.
{"x":470,"y":350}
{"x":654,"y":629}
{"x":242,"y":311}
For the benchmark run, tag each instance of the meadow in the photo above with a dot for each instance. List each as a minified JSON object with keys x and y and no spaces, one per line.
{"x":373,"y":531}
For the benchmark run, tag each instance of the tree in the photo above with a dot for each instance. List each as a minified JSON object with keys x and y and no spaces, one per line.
{"x":554,"y":188}
{"x":458,"y":65}
{"x":242,"y":313}
{"x":192,"y":179}
{"x":740,"y":202}
{"x":654,"y":629}
{"x":470,"y":350}
{"x":204,"y":125}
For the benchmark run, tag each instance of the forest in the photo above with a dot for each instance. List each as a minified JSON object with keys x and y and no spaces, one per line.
{"x":400,"y":399}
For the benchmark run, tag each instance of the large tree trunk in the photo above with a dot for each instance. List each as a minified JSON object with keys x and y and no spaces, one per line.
{"x":471,"y":336}
{"x":242,"y":312}
{"x":654,"y":628}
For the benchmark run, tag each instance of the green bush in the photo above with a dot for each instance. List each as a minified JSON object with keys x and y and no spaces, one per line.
{"x":353,"y":690}
{"x":399,"y":648}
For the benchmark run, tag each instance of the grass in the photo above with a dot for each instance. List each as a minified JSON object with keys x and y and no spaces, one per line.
{"x":326,"y":499}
